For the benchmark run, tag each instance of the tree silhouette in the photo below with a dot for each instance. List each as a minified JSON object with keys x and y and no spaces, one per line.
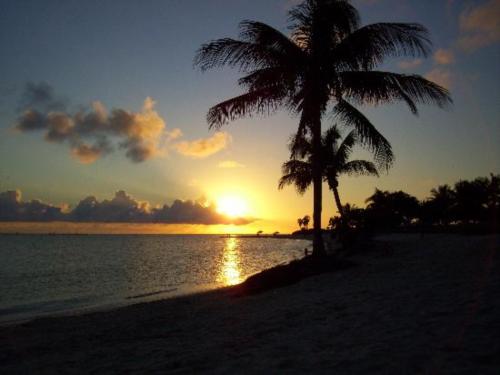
{"x":329,"y":59}
{"x":392,"y":209}
{"x":305,"y":222}
{"x":493,"y":199}
{"x":334,"y":162}
{"x":439,"y":208}
{"x":471,"y":200}
{"x":300,"y":222}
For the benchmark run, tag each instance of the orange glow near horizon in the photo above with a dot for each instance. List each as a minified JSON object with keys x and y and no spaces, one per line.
{"x":123,"y":228}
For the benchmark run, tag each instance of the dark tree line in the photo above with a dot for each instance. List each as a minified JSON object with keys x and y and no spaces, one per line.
{"x":468,"y":204}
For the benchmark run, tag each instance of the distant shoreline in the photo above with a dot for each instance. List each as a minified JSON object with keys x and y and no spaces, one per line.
{"x":221,"y":235}
{"x":275,"y":236}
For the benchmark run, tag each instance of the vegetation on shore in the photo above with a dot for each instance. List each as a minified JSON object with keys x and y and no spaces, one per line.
{"x":468,"y":206}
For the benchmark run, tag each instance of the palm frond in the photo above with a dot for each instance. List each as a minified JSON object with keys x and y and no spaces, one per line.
{"x":346,"y":147}
{"x":263,"y":78}
{"x":375,"y":87}
{"x":360,"y":167}
{"x":298,"y":173}
{"x":300,"y":146}
{"x":331,"y":137}
{"x":265,"y":35}
{"x":368,"y":46}
{"x":264,"y":102}
{"x":233,"y":53}
{"x":368,"y":135}
{"x":260,"y":46}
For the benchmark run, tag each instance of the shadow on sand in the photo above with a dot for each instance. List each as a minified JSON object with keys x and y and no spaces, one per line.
{"x":291,"y":273}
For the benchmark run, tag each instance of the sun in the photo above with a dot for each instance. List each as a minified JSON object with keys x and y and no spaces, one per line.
{"x":232,"y":206}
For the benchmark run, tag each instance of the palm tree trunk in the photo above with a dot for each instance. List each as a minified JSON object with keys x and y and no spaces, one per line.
{"x":337,"y":202}
{"x":318,"y":245}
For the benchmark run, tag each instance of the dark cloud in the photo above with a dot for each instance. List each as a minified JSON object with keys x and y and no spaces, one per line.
{"x":89,"y":132}
{"x":59,"y":127}
{"x":122,"y":208}
{"x":87,"y":154}
{"x":31,"y":120}
{"x":12,"y":208}
{"x":41,"y":97}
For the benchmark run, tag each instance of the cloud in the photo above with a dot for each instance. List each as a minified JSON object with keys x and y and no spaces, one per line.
{"x":41,"y":97}
{"x":12,"y":208}
{"x":410,"y":64}
{"x":444,"y":57}
{"x":88,"y":154}
{"x":229,"y":164}
{"x":89,"y":132}
{"x":479,"y":26}
{"x":201,"y":148}
{"x":94,"y":132}
{"x":122,"y":208}
{"x":440,"y":76}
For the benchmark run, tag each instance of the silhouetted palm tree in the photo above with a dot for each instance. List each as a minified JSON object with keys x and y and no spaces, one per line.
{"x":334,"y":162}
{"x":441,"y":203}
{"x":299,"y":221}
{"x":305,"y":222}
{"x":328,"y":58}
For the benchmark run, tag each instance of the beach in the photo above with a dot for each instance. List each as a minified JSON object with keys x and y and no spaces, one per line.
{"x":411,"y":305}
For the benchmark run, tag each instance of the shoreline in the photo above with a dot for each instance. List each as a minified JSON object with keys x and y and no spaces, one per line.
{"x":277,"y":236}
{"x":415,"y":305}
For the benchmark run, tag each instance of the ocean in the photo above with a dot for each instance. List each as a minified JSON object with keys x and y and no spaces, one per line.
{"x":44,"y":275}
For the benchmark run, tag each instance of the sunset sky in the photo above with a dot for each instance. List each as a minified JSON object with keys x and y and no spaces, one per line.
{"x":129,"y":64}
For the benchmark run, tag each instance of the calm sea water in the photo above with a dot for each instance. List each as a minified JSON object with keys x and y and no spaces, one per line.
{"x":46,"y":275}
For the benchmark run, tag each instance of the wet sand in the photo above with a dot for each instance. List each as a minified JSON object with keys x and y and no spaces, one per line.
{"x":414,"y":305}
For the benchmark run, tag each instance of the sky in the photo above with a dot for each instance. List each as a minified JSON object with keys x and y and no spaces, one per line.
{"x":129,"y":65}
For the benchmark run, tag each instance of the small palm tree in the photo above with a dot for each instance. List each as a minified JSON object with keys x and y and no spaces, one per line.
{"x":329,"y":59}
{"x":305,"y":222}
{"x":300,"y":222}
{"x":335,"y":162}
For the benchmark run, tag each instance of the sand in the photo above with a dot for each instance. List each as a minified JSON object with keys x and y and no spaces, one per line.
{"x":419,"y":305}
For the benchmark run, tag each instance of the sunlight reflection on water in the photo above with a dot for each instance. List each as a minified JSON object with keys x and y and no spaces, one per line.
{"x":230,"y":272}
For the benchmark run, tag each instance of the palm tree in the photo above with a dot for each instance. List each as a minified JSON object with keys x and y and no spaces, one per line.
{"x":305,"y":222}
{"x":328,"y":59}
{"x":442,"y":202}
{"x":334,"y":162}
{"x":300,"y":222}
